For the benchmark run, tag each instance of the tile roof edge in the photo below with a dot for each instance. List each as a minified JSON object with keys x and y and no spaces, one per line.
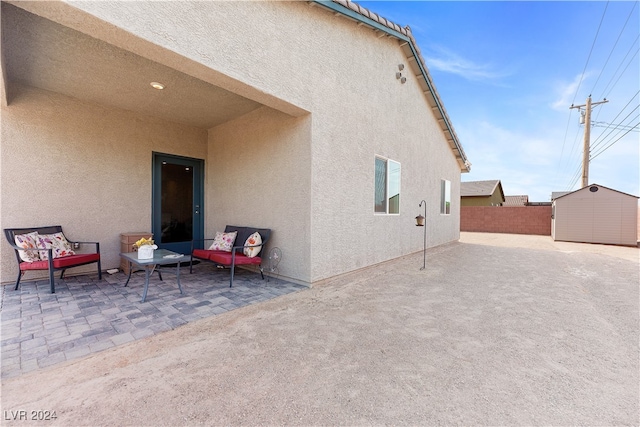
{"x":436,"y":95}
{"x":373,"y":16}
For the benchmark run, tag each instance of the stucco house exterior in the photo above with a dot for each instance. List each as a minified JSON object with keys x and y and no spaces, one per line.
{"x":482,"y":193}
{"x":318,"y":120}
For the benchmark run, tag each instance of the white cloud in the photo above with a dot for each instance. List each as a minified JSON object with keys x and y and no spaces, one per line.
{"x":527,"y":160}
{"x":450,"y":62}
{"x":566,"y":92}
{"x":524,"y":162}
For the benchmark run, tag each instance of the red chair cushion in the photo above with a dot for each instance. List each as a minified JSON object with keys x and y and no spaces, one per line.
{"x":201,"y":253}
{"x":245,"y":260}
{"x":224,"y":258}
{"x":62,"y":262}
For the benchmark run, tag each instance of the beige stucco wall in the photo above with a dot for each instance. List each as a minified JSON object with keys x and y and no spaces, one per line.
{"x":371,"y":114}
{"x":345,"y":76}
{"x":83,"y":166}
{"x":259,"y":175}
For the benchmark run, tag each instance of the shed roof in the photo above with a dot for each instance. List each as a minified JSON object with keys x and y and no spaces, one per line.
{"x":597,"y":185}
{"x":480,"y":188}
{"x":416,"y":62}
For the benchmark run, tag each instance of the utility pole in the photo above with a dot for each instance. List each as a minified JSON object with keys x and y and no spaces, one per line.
{"x":587,"y":137}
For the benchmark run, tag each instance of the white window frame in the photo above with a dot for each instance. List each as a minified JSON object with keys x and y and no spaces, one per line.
{"x":445,"y":196}
{"x":388,"y":185}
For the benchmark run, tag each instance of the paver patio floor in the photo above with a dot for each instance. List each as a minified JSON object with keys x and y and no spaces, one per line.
{"x":84,"y":316}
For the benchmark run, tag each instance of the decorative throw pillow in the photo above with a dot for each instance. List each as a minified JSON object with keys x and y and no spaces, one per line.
{"x":223,"y":241}
{"x":254,"y":239}
{"x":57,"y":242}
{"x":28,"y":241}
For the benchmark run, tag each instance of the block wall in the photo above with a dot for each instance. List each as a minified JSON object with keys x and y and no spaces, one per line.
{"x":506,"y":219}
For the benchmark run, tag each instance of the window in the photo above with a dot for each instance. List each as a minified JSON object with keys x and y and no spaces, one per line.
{"x":445,"y":197}
{"x":387,"y":195}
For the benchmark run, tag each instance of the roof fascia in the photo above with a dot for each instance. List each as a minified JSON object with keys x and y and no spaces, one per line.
{"x":336,"y":7}
{"x":436,"y":97}
{"x":499,"y":185}
{"x":598,"y":185}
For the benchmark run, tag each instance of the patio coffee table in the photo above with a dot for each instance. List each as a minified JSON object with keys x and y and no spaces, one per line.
{"x":160,"y":257}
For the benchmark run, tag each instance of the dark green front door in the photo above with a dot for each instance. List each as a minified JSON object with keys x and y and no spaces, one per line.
{"x":177,"y":216}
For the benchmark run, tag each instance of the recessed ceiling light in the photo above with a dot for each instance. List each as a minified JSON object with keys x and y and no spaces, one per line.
{"x":157,"y":85}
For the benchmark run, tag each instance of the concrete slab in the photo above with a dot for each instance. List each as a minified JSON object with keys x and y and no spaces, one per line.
{"x":488,"y":334}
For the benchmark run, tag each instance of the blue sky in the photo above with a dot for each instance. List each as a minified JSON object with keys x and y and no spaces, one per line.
{"x":507,"y":73}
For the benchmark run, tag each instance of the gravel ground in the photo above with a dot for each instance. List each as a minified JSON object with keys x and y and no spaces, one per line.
{"x":498,"y":330}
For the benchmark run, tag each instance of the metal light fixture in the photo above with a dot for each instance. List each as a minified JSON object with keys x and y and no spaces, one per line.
{"x":157,"y":85}
{"x":399,"y":75}
{"x":420,"y":223}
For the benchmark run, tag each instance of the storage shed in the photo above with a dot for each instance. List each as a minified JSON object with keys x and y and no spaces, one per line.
{"x":595,"y":214}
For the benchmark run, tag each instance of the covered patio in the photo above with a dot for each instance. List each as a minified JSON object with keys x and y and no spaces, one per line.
{"x":105,"y":108}
{"x":86,"y":316}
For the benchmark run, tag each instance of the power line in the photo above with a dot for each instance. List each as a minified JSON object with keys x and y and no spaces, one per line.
{"x":614,"y":46}
{"x":612,"y":130}
{"x":611,"y":125}
{"x":625,"y":68}
{"x":579,"y":84}
{"x":575,"y":141}
{"x":596,"y":143}
{"x":566,"y":131}
{"x":575,"y":176}
{"x":609,"y":146}
{"x":590,"y":52}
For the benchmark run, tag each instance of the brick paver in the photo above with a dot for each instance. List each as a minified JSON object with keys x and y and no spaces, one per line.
{"x":85,"y":315}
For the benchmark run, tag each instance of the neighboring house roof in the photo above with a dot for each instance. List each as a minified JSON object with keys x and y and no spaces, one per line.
{"x":597,"y":185}
{"x":516,"y":200}
{"x":480,"y":188}
{"x":416,"y":62}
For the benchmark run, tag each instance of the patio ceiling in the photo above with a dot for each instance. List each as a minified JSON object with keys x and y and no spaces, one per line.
{"x":41,"y":53}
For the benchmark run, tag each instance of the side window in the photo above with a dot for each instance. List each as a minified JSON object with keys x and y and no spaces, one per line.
{"x":387,"y":186}
{"x":445,"y":197}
